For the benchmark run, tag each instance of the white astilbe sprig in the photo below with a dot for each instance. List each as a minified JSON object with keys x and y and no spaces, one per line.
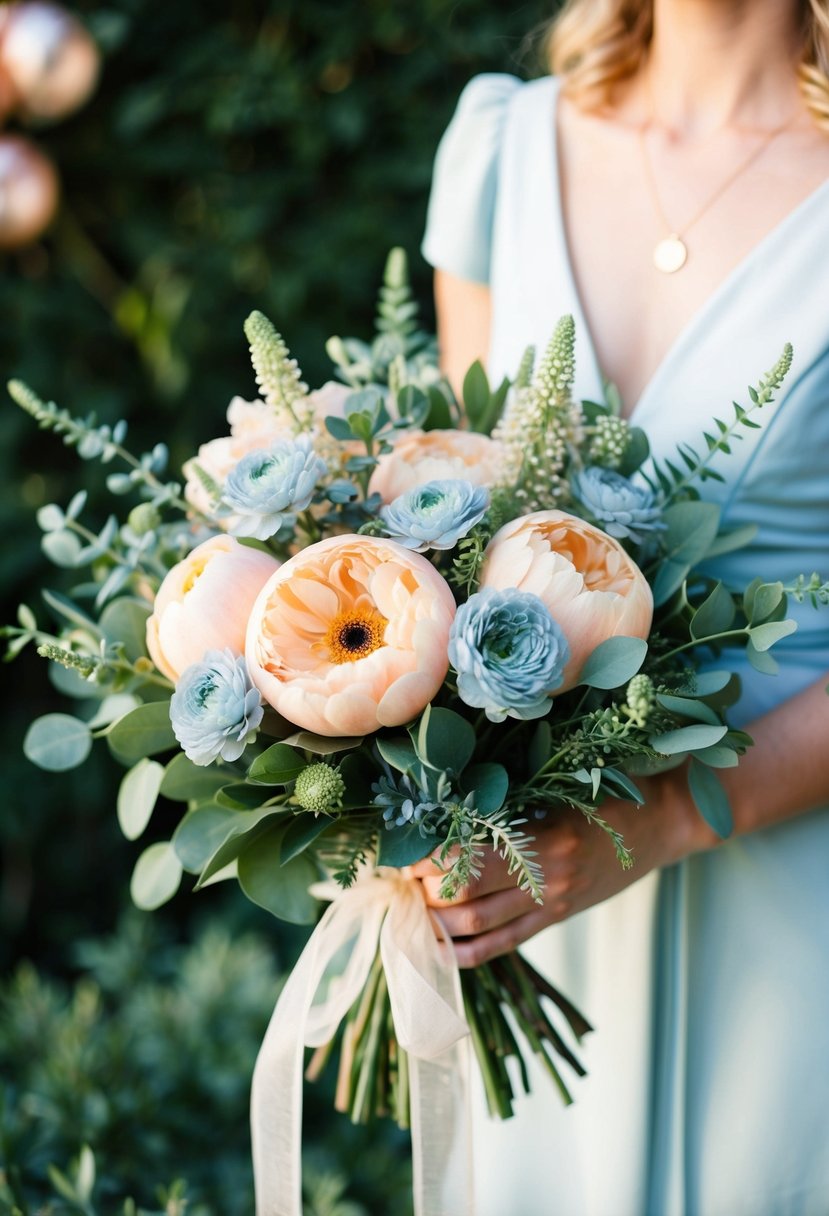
{"x":542,"y":424}
{"x":278,"y":375}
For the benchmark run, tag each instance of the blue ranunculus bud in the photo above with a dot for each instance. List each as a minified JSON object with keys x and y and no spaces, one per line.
{"x":619,"y":506}
{"x":215,"y":710}
{"x":435,"y":515}
{"x":269,"y":486}
{"x":508,"y":652}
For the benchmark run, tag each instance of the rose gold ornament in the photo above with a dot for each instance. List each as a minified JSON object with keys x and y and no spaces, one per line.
{"x":49,"y":58}
{"x":28,"y":192}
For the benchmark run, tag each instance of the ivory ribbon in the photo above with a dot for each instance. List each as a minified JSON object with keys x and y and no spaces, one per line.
{"x":424,"y":991}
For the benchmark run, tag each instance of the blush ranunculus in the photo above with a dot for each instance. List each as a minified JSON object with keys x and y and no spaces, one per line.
{"x":204,"y":603}
{"x":588,"y":583}
{"x":437,"y":456}
{"x":350,"y":635}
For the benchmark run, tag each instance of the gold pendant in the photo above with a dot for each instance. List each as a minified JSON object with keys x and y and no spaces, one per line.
{"x":670,"y":255}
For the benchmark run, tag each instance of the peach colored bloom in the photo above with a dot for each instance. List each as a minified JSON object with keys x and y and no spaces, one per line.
{"x":350,"y":635}
{"x":587,"y":581}
{"x":421,"y":456}
{"x":204,"y":603}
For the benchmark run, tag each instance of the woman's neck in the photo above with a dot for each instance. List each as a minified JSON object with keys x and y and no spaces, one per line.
{"x":718,"y":63}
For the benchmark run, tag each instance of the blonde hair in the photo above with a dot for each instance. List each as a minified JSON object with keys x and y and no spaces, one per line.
{"x":596,"y":44}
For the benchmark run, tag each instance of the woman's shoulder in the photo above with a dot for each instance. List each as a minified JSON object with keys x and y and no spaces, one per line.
{"x":464,"y":183}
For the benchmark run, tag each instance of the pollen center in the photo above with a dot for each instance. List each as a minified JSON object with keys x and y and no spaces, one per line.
{"x":355,"y":635}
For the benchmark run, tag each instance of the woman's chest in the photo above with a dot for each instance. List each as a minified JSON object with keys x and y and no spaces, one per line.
{"x":619,"y":196}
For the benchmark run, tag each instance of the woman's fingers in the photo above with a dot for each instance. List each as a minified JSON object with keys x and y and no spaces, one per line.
{"x":494,"y":877}
{"x":465,"y":919}
{"x":472,"y":951}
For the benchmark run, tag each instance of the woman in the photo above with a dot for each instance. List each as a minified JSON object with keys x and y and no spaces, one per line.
{"x":670,"y":188}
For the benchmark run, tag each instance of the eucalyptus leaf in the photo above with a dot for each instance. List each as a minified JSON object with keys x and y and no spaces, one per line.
{"x":715,"y":614}
{"x":718,"y":756}
{"x":125,"y":620}
{"x":322,"y":745}
{"x":240,"y":796}
{"x":137,"y":797}
{"x":763,"y":637}
{"x":156,"y":877}
{"x":57,"y":742}
{"x":279,"y":765}
{"x":766,"y":599}
{"x":444,"y":741}
{"x":243,"y":829}
{"x":761,"y":660}
{"x":728,"y":542}
{"x":687,"y":707}
{"x":301,"y":832}
{"x":280,"y":889}
{"x":112,"y":708}
{"x":623,"y":784}
{"x":710,"y":798}
{"x":707,"y":683}
{"x":404,"y":846}
{"x":489,"y":783}
{"x":398,"y":752}
{"x":63,"y":548}
{"x":142,"y":732}
{"x":687,"y":739}
{"x":613,"y":662}
{"x":185,"y":781}
{"x":200,"y":834}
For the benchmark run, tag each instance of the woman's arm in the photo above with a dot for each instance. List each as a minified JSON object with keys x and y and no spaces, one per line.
{"x":785,"y":773}
{"x":463,"y":317}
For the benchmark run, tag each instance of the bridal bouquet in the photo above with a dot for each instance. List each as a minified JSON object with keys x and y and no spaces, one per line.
{"x":377,"y":624}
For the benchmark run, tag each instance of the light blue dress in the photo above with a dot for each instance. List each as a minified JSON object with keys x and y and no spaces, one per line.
{"x":708,"y":982}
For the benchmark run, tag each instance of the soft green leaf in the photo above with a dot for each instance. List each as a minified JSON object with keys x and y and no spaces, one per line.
{"x":57,"y":742}
{"x":728,"y":542}
{"x":322,"y":745}
{"x":302,"y":831}
{"x":200,"y":834}
{"x":142,"y":732}
{"x":25,"y":617}
{"x":241,"y":796}
{"x":707,"y":683}
{"x":185,"y":781}
{"x":439,"y":417}
{"x":718,"y":756}
{"x":475,"y":394}
{"x":156,"y":876}
{"x":278,"y":765}
{"x":761,"y":660}
{"x":613,"y":662}
{"x":125,"y":620}
{"x":137,"y":796}
{"x":404,"y":846}
{"x":112,"y":708}
{"x":69,"y":610}
{"x":444,"y":741}
{"x":339,"y":428}
{"x":687,"y":707}
{"x":280,"y":889}
{"x":710,"y":798}
{"x":62,"y":548}
{"x":766,"y":599}
{"x":763,"y":637}
{"x":85,"y":1177}
{"x":50,"y":518}
{"x":715,"y":614}
{"x":540,"y":747}
{"x":243,"y":829}
{"x":687,"y":739}
{"x":398,"y":752}
{"x":623,"y":784}
{"x":490,"y":783}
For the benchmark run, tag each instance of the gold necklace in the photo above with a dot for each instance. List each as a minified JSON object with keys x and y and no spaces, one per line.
{"x":671,"y":252}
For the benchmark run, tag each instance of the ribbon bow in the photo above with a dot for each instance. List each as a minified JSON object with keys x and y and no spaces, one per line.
{"x":424,"y":992}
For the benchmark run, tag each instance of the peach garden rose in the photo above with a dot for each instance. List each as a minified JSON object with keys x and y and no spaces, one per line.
{"x":425,"y":456}
{"x":204,"y":603}
{"x":350,"y":635}
{"x":591,"y":587}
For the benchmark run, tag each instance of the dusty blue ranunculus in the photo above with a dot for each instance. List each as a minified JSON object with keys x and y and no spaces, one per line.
{"x":508,"y":652}
{"x":268,"y":487}
{"x":215,"y":710}
{"x":619,"y":506}
{"x":435,"y":515}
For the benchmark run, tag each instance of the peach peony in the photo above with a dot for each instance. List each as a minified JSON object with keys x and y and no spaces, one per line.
{"x":350,"y":635}
{"x":437,"y":456}
{"x":204,"y":603}
{"x":589,"y":584}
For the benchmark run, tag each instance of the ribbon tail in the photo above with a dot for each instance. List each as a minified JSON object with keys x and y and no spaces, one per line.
{"x":427,"y":1006}
{"x":276,"y":1093}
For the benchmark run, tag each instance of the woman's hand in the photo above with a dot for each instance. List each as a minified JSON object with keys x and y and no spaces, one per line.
{"x":492,"y":916}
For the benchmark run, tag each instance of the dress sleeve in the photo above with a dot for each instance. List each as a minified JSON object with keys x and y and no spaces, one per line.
{"x":462,"y":202}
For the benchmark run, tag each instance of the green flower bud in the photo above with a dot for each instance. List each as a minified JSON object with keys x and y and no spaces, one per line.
{"x":143,"y":518}
{"x":319,"y":787}
{"x":641,"y":698}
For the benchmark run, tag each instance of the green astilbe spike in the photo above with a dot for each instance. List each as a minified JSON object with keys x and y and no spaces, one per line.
{"x":524,"y":374}
{"x":542,"y":425}
{"x":277,"y":374}
{"x":84,"y":664}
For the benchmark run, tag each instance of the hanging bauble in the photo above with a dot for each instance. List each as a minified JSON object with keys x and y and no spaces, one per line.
{"x":50,"y":59}
{"x":28,"y":192}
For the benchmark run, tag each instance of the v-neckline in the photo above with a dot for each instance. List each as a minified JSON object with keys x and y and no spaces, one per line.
{"x":696,"y":321}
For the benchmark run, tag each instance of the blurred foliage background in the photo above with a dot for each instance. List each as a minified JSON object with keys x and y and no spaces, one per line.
{"x":235,"y":156}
